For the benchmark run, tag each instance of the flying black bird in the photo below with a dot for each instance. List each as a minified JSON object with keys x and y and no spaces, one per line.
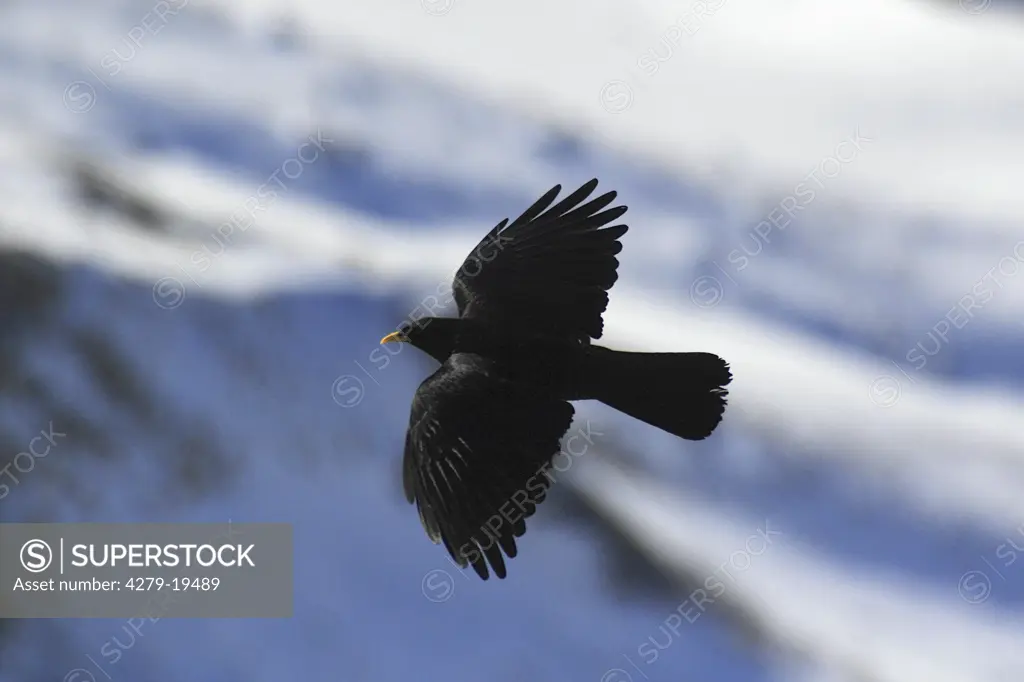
{"x":485,"y":426}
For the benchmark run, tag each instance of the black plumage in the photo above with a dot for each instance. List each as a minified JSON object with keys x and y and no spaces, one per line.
{"x":485,"y":426}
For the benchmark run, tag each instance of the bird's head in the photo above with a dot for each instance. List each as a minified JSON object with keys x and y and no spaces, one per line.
{"x":435,"y":336}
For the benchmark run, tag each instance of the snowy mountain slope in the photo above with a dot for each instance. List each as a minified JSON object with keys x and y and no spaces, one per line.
{"x":924,"y":490}
{"x":910,"y":634}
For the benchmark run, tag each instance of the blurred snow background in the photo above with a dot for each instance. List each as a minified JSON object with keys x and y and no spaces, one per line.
{"x":211,"y":210}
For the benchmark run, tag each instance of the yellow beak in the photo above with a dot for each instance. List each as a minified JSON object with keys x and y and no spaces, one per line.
{"x":393,"y":337}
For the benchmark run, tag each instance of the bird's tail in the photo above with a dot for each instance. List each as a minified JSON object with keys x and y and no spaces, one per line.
{"x":682,"y":393}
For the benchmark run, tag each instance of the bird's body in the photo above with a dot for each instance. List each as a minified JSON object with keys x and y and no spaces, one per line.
{"x":485,"y":426}
{"x":549,"y":364}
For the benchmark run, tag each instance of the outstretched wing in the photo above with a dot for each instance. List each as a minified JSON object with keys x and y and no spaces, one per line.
{"x":477,"y":453}
{"x":550,"y":270}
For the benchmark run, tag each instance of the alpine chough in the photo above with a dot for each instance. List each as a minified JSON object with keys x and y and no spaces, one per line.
{"x":485,"y":426}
